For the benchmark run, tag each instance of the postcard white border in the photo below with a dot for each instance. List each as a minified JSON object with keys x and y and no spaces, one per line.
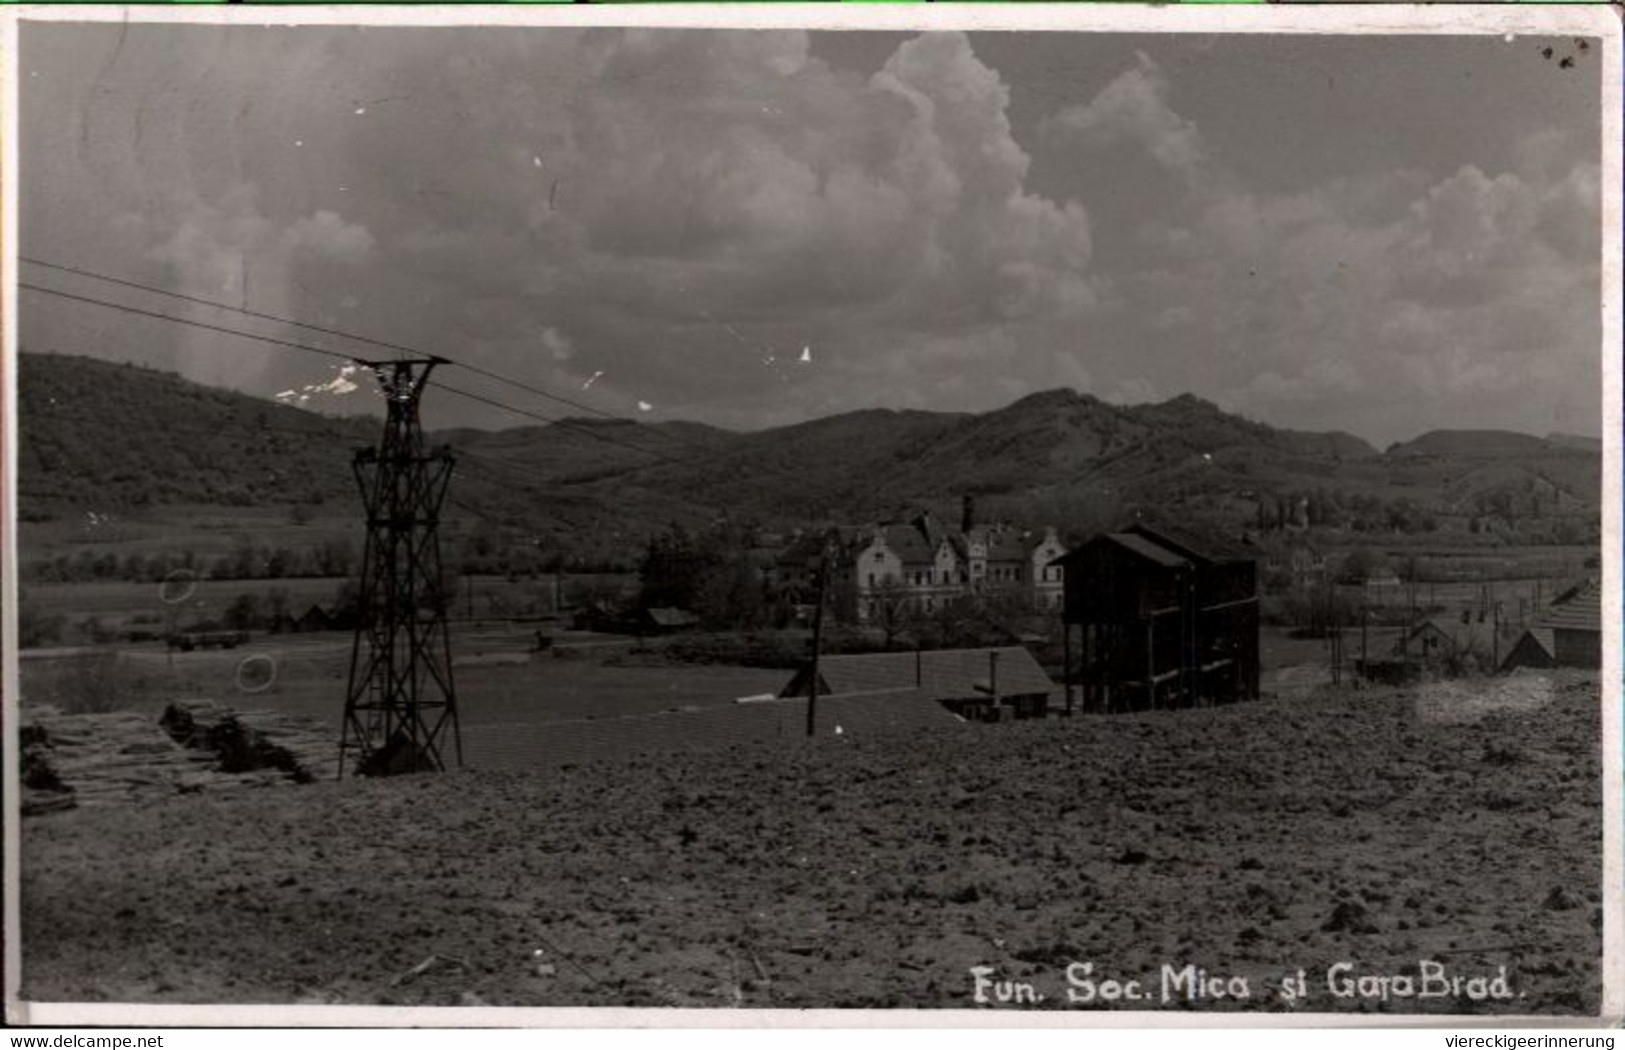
{"x":1590,"y":20}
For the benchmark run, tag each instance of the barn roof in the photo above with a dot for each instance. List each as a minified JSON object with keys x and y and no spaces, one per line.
{"x":1190,"y":544}
{"x":943,"y":674}
{"x":1579,"y":610}
{"x":1542,"y":637}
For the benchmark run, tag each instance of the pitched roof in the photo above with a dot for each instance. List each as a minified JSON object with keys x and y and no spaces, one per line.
{"x":1031,"y":541}
{"x":1579,"y":610}
{"x":1148,"y":549}
{"x":930,"y":529}
{"x":1542,"y":637}
{"x":668,"y":617}
{"x":1475,"y":634}
{"x":1200,"y":547}
{"x":943,"y":674}
{"x":1006,"y":545}
{"x":909,"y":543}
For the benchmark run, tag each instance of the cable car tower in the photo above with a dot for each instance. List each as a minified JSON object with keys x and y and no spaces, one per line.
{"x":401,"y":703}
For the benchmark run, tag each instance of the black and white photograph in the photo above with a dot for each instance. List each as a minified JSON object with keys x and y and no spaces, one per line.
{"x":1017,"y":511}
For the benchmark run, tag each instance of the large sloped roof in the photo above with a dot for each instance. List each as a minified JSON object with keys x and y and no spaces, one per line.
{"x":1133,"y":543}
{"x":908,"y":543}
{"x":943,"y":674}
{"x":919,"y":539}
{"x":1579,"y":610}
{"x":1148,"y":549}
{"x":1203,"y":547}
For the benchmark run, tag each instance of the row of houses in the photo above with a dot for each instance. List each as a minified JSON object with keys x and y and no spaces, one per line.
{"x":920,"y":565}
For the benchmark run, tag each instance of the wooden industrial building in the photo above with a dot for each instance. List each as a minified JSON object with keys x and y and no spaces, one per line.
{"x":1156,"y":618}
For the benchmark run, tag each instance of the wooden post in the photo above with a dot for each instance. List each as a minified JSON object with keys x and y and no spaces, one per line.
{"x":993,"y":676}
{"x":817,"y":642}
{"x":1151,"y":660}
{"x":1066,"y":665}
{"x":1365,"y":664}
{"x":1337,"y":643}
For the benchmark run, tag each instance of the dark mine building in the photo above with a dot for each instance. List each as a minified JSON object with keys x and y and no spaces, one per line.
{"x":1154,"y":618}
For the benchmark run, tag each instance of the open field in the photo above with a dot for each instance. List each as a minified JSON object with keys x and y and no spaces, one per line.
{"x":205,"y":530}
{"x":1380,"y":828}
{"x":189,"y":600}
{"x":499,"y":679}
{"x":312,"y":671}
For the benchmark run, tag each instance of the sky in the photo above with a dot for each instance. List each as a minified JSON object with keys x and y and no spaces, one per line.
{"x":1383,"y":235}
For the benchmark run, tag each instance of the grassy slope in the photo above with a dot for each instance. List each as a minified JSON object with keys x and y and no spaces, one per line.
{"x":868,"y":872}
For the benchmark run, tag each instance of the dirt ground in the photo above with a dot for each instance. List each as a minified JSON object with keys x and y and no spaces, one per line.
{"x":1406,"y":836}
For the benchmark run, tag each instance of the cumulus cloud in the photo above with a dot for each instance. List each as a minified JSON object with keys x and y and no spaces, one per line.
{"x":1350,"y":301}
{"x":1134,"y":109}
{"x":229,"y":249}
{"x":1461,"y":300}
{"x":328,"y":235}
{"x":672,"y":216}
{"x":756,"y":201}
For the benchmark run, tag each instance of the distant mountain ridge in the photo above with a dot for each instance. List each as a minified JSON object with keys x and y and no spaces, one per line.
{"x":1472,"y":443}
{"x":1056,"y":456}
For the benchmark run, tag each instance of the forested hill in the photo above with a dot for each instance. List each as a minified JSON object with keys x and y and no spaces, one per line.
{"x":101,"y":436}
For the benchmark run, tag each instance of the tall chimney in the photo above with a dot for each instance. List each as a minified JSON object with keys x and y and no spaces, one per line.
{"x":967,"y":513}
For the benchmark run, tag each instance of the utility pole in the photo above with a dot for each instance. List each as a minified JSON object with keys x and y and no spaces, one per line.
{"x":401,"y":700}
{"x":1365,"y":662}
{"x":1337,"y":643}
{"x":818,"y":637}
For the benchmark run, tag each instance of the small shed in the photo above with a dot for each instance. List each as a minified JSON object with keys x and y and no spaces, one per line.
{"x":976,"y":684}
{"x":1536,"y":648}
{"x":1439,"y":639}
{"x":314,"y":618}
{"x":666,"y":620}
{"x":1575,"y":620}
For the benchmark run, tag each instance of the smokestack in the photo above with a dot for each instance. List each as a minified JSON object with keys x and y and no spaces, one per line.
{"x":967,"y":513}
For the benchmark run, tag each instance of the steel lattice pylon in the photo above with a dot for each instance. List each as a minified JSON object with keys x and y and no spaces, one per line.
{"x":401,"y":700}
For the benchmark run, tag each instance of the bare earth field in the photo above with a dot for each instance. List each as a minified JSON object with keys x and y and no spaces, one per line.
{"x":1379,"y":829}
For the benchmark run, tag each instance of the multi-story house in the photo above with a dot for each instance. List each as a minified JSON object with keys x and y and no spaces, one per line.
{"x":918,"y":566}
{"x":921,"y":564}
